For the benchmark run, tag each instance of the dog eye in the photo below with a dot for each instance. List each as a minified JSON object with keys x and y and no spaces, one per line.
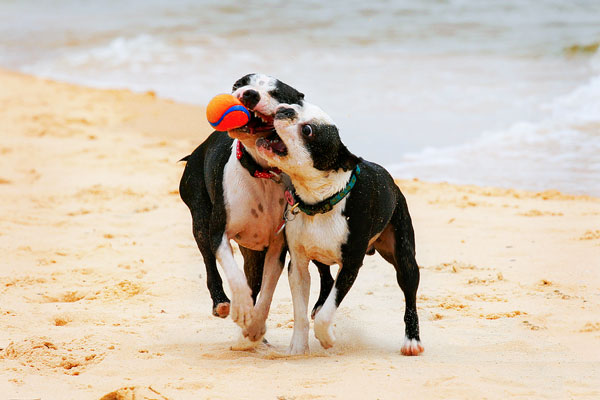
{"x":307,"y":130}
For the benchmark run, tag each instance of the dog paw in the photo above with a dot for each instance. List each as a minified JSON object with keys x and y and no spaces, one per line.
{"x":221,"y":310}
{"x":242,"y":307}
{"x":324,"y":333}
{"x":412,"y":347}
{"x":298,"y":346}
{"x":256,"y":330}
{"x":297,"y":350}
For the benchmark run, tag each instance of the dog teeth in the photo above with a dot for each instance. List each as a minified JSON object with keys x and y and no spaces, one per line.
{"x":260,"y":116}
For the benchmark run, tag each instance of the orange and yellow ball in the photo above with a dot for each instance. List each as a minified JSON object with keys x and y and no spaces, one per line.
{"x":225,"y":112}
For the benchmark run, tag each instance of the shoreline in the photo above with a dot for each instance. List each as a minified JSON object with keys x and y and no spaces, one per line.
{"x":192,"y":115}
{"x":102,"y":296}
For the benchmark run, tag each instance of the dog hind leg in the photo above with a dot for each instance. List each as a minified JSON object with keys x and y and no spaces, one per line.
{"x":407,"y":275}
{"x":254,"y":262}
{"x":397,"y":245}
{"x":221,"y":303}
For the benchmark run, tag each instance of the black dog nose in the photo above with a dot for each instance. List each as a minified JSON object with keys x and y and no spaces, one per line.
{"x":285,"y":113}
{"x":250,"y":98}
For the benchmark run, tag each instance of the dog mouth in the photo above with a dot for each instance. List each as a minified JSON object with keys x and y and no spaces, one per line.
{"x":273,"y":143}
{"x":259,"y":124}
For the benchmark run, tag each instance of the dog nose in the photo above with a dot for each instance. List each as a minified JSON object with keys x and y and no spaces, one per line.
{"x":250,"y":98}
{"x":285,"y":113}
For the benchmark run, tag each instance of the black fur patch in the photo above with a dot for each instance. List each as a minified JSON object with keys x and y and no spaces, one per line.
{"x":327,"y":150}
{"x":284,"y":93}
{"x":243,"y":81}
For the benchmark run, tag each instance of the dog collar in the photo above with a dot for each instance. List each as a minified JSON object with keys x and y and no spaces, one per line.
{"x":323,"y":206}
{"x":252,"y":166}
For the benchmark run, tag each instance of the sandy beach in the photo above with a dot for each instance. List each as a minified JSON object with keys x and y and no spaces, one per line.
{"x":103,"y":292}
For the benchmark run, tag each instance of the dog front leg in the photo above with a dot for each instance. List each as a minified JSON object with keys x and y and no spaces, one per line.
{"x":299,"y":278}
{"x":241,"y":304}
{"x":272,"y":271}
{"x":324,"y":318}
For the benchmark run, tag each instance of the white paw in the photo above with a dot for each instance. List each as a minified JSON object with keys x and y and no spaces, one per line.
{"x":324,"y":332}
{"x":242,"y":306}
{"x":298,"y":346}
{"x":411,"y":347}
{"x":243,"y":343}
{"x":256,"y":330}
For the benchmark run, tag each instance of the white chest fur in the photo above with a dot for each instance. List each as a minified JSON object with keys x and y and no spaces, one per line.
{"x":254,"y":206}
{"x":319,"y":237}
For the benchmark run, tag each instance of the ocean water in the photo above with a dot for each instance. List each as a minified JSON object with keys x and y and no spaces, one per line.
{"x":498,"y":92}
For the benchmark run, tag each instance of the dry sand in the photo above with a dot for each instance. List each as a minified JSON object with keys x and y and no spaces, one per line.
{"x":102,"y":288}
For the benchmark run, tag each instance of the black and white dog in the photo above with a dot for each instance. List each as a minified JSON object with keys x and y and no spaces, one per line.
{"x":232,"y":194}
{"x":343,"y":208}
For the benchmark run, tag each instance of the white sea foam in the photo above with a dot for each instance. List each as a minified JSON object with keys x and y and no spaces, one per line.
{"x":562,"y":150}
{"x":432,"y":89}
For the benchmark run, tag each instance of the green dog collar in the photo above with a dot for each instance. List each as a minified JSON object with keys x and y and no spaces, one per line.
{"x":326,"y":205}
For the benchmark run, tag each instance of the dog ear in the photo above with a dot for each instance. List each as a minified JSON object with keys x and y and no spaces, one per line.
{"x":346,"y":159}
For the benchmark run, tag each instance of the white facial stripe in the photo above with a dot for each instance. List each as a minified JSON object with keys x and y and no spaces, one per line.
{"x":262,"y":84}
{"x":309,"y":113}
